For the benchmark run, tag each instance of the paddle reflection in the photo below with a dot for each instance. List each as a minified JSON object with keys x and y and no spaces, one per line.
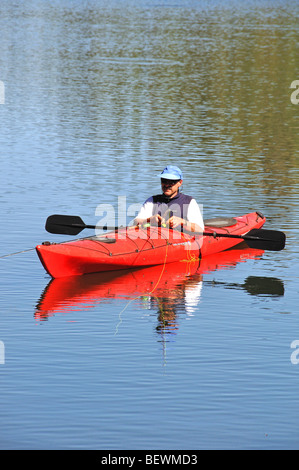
{"x":258,"y":286}
{"x":170,"y":290}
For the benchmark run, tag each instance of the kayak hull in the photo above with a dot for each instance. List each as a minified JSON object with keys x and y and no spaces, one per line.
{"x":135,"y":247}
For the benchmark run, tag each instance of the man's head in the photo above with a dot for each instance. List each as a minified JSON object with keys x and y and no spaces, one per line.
{"x":171,"y":180}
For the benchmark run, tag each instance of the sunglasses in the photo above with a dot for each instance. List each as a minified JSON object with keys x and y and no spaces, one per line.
{"x":170,"y":182}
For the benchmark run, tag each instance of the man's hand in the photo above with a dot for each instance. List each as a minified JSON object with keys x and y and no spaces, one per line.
{"x":175,"y":222}
{"x":156,"y":219}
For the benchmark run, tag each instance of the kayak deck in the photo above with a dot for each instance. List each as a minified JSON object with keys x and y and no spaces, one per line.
{"x":134,"y":247}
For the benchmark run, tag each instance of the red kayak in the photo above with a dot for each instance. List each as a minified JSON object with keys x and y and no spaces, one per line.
{"x":169,"y":283}
{"x":134,"y":247}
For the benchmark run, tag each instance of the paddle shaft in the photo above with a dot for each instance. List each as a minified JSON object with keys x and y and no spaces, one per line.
{"x":83,"y":226}
{"x":255,"y":238}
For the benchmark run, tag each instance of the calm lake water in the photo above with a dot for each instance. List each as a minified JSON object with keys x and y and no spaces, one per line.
{"x":96,"y":98}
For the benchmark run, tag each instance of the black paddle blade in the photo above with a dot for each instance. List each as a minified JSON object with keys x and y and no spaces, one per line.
{"x":64,"y":224}
{"x":261,"y":239}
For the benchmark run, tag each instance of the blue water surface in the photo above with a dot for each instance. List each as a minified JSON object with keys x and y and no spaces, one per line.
{"x":98,"y":99}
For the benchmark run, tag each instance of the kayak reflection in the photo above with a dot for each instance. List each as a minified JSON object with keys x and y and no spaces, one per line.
{"x":169,"y":290}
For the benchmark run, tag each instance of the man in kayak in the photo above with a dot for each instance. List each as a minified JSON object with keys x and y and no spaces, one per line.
{"x":171,"y":208}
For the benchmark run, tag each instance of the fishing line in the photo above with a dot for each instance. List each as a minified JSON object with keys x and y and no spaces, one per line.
{"x":190,"y":258}
{"x":16,"y":253}
{"x":32,"y":249}
{"x":150,"y":293}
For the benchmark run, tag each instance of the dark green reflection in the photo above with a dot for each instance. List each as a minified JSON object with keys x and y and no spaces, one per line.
{"x":256,"y":285}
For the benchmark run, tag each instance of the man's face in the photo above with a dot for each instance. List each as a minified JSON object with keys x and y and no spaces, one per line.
{"x":170,"y":187}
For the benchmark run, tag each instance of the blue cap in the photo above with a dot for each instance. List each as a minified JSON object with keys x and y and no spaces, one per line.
{"x":171,"y":173}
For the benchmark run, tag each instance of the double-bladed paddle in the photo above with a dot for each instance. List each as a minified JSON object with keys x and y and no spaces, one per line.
{"x":262,"y":239}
